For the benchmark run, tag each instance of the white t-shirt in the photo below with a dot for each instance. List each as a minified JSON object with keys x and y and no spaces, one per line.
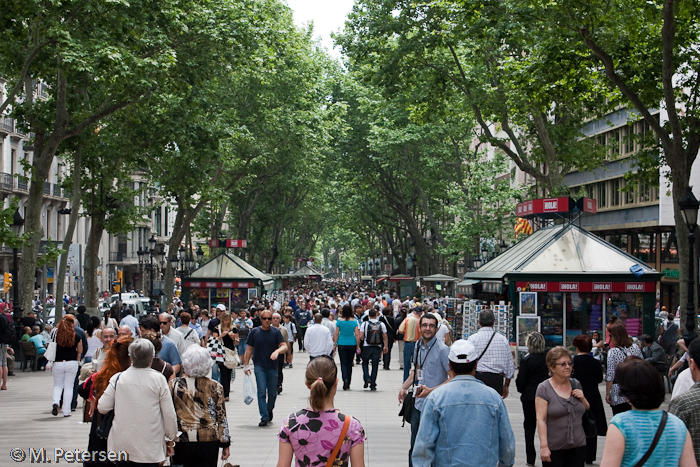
{"x":683,"y":383}
{"x":442,"y":331}
{"x":364,"y":327}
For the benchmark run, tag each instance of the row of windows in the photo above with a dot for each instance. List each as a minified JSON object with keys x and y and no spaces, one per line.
{"x":624,"y":140}
{"x":644,"y":245}
{"x":614,"y":193}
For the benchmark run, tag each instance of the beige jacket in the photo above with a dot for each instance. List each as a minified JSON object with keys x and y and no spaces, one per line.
{"x":144,"y":415}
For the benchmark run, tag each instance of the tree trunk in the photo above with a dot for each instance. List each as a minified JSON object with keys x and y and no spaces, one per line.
{"x":72,"y":221}
{"x":97,"y":228}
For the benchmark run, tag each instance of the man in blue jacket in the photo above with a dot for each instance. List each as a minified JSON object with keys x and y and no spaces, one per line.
{"x":444,"y":440}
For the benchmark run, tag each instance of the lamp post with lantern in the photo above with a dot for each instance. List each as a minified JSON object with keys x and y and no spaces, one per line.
{"x":151,"y":260}
{"x":17,"y":224}
{"x":689,"y":208}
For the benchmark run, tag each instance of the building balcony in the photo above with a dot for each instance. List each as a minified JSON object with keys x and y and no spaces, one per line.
{"x":22,"y":184}
{"x":47,"y":188}
{"x":7,"y":125}
{"x":121,"y":257}
{"x":6,"y":182}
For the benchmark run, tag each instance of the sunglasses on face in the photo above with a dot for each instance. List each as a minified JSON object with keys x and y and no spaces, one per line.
{"x":565,"y":364}
{"x":266,"y":319}
{"x":164,"y":322}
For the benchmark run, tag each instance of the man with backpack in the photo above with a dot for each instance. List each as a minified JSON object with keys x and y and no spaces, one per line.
{"x":374,"y":343}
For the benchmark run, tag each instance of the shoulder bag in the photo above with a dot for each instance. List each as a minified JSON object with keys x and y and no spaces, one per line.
{"x":336,"y":449}
{"x":657,"y":436}
{"x":589,"y":423}
{"x":50,"y":354}
{"x":407,"y":407}
{"x":103,"y":430}
{"x":231,"y":359}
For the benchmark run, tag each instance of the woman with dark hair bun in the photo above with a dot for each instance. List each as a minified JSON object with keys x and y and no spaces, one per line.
{"x":631,"y":433}
{"x":312,"y":434}
{"x":621,"y":347}
{"x":589,"y":373}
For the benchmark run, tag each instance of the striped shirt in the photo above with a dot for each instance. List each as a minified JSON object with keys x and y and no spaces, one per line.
{"x":639,"y":427}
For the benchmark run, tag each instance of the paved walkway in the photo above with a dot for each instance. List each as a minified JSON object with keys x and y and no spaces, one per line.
{"x":26,"y":420}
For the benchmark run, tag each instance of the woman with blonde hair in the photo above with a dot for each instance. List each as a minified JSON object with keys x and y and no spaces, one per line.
{"x":69,"y":347}
{"x":320,"y":432}
{"x":227,"y":333}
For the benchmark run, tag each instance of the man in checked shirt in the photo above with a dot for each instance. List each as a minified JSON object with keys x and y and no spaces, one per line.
{"x":496,"y":361}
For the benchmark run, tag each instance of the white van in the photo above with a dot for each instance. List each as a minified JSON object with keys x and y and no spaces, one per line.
{"x":125,"y":296}
{"x":136,"y":304}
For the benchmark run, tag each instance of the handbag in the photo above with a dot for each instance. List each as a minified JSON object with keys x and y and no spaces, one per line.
{"x":50,"y":353}
{"x":103,"y":430}
{"x":336,"y":449}
{"x":407,"y":407}
{"x":657,"y":436}
{"x":231,"y":359}
{"x":588,"y":420}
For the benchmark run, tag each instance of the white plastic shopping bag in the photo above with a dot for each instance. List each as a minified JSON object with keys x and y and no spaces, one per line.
{"x":248,"y":389}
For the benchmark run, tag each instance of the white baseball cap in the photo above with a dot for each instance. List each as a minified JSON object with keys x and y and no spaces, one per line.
{"x":221,"y":307}
{"x":463,"y":351}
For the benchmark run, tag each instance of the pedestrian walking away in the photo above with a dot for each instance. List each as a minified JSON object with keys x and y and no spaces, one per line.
{"x":265,"y":345}
{"x":347,"y":340}
{"x":496,"y":362}
{"x":336,"y":435}
{"x":318,"y":340}
{"x":374,"y":343}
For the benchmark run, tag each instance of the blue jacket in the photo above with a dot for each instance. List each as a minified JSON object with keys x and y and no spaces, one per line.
{"x":464,"y":423}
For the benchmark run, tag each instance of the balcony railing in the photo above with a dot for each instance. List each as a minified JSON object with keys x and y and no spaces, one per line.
{"x":6,"y":181}
{"x":22,"y":184}
{"x":47,"y":188}
{"x":7,"y":124}
{"x":118,"y":256}
{"x":57,"y":190}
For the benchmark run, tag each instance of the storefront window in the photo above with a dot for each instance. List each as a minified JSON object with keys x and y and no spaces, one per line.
{"x":551,"y":309}
{"x":643,"y":247}
{"x":627,"y":307}
{"x":619,"y":241}
{"x":669,"y":247}
{"x":584,"y":314}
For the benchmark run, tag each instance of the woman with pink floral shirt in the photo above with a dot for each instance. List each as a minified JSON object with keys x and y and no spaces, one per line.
{"x":310,"y":435}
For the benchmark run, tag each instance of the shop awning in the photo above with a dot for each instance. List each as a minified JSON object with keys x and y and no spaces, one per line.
{"x":439,"y":278}
{"x":492,"y":286}
{"x":465,"y":287}
{"x":401,"y":277}
{"x":381,"y":279}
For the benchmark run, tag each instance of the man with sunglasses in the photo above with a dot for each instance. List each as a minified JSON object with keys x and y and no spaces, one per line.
{"x":265,"y":344}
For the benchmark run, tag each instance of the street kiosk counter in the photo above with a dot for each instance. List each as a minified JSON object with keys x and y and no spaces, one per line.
{"x":565,"y":281}
{"x":228,"y":280}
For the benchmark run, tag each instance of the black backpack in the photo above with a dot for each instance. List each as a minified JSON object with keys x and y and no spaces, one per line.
{"x":7,"y":331}
{"x":374,"y":333}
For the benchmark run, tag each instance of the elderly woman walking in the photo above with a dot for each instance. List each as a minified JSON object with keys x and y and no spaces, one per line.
{"x":144,"y":415}
{"x":201,"y":413}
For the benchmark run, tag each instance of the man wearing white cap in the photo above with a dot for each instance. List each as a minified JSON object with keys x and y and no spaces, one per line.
{"x":488,"y":437}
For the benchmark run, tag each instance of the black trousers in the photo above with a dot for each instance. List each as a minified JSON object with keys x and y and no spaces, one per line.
{"x":301,"y":332}
{"x":591,"y":449}
{"x":386,"y":358}
{"x":346,"y":354}
{"x":530,"y":426}
{"x":567,"y":458}
{"x":204,"y":454}
{"x":491,"y":380}
{"x":225,"y":378}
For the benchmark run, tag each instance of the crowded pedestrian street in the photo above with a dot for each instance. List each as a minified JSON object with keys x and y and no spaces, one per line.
{"x":27,"y":422}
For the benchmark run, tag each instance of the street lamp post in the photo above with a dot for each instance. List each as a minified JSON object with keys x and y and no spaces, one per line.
{"x":689,"y":208}
{"x":148,"y":263}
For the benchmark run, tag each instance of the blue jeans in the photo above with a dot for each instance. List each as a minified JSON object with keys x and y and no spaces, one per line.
{"x":266,"y":380}
{"x":370,"y":352}
{"x":408,"y":348}
{"x":215,"y":372}
{"x":415,"y":423}
{"x":242,"y":344}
